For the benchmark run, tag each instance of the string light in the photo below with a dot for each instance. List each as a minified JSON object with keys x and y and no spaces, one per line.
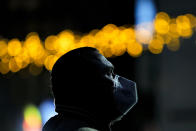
{"x":111,"y":41}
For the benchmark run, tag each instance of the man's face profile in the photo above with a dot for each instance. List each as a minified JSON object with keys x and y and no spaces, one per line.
{"x":104,"y":70}
{"x":84,"y":79}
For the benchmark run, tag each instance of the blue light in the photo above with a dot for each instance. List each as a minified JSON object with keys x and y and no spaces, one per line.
{"x":145,"y":11}
{"x":47,"y":110}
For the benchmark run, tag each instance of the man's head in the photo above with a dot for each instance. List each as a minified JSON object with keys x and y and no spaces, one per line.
{"x":84,"y":79}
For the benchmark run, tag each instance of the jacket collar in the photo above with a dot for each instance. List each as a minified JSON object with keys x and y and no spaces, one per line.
{"x":81,"y":113}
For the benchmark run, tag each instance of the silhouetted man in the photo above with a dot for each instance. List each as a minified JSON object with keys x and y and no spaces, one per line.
{"x":88,"y":95}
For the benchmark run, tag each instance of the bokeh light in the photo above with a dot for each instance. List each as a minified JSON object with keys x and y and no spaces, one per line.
{"x":35,"y":70}
{"x":145,"y":11}
{"x":32,"y":119}
{"x":144,"y":33}
{"x":135,"y":49}
{"x":111,"y":40}
{"x":161,"y":23}
{"x":184,"y":26}
{"x":156,"y":45}
{"x":3,"y":48}
{"x":174,"y":44}
{"x":47,"y":110}
{"x":13,"y":66}
{"x":14,"y":47}
{"x":4,"y":68}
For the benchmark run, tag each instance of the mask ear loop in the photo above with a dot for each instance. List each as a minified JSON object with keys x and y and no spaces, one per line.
{"x":116,"y":83}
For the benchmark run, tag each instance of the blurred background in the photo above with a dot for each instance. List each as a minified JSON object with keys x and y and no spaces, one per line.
{"x":153,"y":43}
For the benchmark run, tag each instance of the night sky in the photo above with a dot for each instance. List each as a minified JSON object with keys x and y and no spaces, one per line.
{"x":46,"y":17}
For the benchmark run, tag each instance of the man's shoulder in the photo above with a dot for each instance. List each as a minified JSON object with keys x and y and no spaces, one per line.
{"x":86,"y":129}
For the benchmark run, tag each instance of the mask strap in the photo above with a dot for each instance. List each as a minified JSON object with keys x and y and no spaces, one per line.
{"x":116,"y":82}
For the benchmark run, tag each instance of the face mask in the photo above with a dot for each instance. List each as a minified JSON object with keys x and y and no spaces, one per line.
{"x":125,"y":95}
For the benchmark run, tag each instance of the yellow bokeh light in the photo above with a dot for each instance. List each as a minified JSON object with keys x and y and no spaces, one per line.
{"x":184,"y":26}
{"x":14,"y":47}
{"x":33,"y":46}
{"x":173,"y":29}
{"x":111,"y":41}
{"x":13,"y":65}
{"x":128,"y":35}
{"x":87,"y":40}
{"x":4,"y":68}
{"x":134,"y":49}
{"x":192,"y":19}
{"x":107,"y":52}
{"x":174,"y":45}
{"x":39,"y":61}
{"x":167,"y":38}
{"x":35,"y":70}
{"x":50,"y":61}
{"x":19,"y":61}
{"x":50,"y":42}
{"x":3,"y":48}
{"x":161,"y":23}
{"x":109,"y":28}
{"x":23,"y":59}
{"x":6,"y":58}
{"x":118,"y":43}
{"x":65,"y":42}
{"x":163,"y":15}
{"x":118,"y":49}
{"x":156,"y":45}
{"x":161,"y":26}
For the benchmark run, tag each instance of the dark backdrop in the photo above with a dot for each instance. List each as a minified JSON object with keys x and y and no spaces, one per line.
{"x":46,"y":17}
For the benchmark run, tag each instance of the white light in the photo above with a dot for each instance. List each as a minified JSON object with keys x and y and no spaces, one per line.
{"x":145,"y":11}
{"x":144,"y":15}
{"x":47,"y":110}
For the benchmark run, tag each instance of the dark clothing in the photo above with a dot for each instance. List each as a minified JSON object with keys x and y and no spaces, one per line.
{"x":87,"y":93}
{"x":62,"y":123}
{"x":74,"y":121}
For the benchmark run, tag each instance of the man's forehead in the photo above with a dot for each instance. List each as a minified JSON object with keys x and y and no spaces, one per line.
{"x":106,"y":62}
{"x":102,"y":62}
